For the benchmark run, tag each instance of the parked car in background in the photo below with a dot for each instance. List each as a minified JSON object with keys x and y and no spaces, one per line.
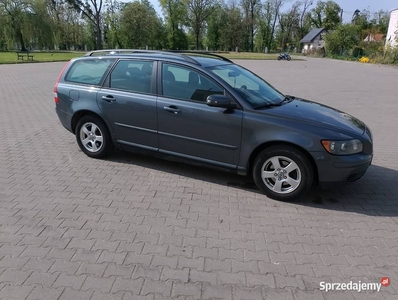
{"x":202,"y":107}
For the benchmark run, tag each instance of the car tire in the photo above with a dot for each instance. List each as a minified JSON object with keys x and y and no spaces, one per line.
{"x":93,"y":137}
{"x":283,"y":173}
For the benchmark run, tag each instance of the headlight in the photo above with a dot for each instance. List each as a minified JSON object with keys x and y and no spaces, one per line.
{"x":343,"y":147}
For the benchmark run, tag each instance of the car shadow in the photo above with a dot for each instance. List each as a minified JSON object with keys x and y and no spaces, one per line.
{"x":376,"y":194}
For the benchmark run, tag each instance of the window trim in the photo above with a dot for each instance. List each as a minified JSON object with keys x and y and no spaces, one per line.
{"x":160,"y":82}
{"x":153,"y":89}
{"x":236,"y":95}
{"x":103,"y":78}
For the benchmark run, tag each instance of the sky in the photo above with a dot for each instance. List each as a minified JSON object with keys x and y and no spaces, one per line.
{"x":371,"y":5}
{"x":348,"y":6}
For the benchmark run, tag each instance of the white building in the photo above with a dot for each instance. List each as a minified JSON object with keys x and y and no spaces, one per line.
{"x":313,"y":40}
{"x":391,"y":38}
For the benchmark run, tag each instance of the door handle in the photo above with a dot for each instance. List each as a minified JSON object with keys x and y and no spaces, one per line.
{"x":173,"y":109}
{"x":109,"y":98}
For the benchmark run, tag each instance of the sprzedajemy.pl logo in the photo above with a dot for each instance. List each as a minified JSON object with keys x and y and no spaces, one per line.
{"x":354,"y":286}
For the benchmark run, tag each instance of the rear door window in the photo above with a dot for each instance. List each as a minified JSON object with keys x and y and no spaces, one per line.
{"x":89,"y":71}
{"x":132,"y":76}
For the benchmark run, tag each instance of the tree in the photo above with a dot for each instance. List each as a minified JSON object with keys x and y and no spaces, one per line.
{"x":304,"y":22}
{"x":362,"y":19}
{"x":56,"y":9}
{"x":264,"y":30}
{"x":276,"y":7}
{"x":91,"y":10}
{"x":251,"y":10}
{"x":342,"y":39}
{"x":288,"y":22}
{"x":112,"y":24}
{"x":226,"y":28}
{"x":175,"y":12}
{"x":3,"y":38}
{"x":326,"y":15}
{"x":16,"y":12}
{"x":38,"y":26}
{"x":198,"y":12}
{"x":215,"y":26}
{"x":232,"y":31}
{"x":157,"y":38}
{"x":380,"y":21}
{"x":140,"y":26}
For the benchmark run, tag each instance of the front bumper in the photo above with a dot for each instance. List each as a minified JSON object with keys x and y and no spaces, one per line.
{"x":336,"y":170}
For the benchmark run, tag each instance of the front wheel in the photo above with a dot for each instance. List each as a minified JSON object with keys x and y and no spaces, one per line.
{"x":93,"y":138}
{"x":288,"y":58}
{"x":279,"y":57}
{"x":283,"y":173}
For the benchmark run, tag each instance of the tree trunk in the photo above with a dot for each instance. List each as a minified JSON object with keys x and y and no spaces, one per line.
{"x":197,"y":39}
{"x":20,"y":38}
{"x":173,"y":36}
{"x":99,"y":33}
{"x":99,"y":39}
{"x":252,"y":30}
{"x":272,"y":33}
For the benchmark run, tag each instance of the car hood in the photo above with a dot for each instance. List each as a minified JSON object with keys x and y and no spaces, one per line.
{"x":316,"y":112}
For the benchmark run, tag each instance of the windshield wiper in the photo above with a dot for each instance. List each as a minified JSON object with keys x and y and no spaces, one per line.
{"x":287,"y":98}
{"x":269,"y":104}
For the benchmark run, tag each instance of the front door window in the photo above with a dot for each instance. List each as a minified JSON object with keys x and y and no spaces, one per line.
{"x":179,"y":82}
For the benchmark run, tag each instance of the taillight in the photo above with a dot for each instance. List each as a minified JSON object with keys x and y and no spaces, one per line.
{"x":56,"y":100}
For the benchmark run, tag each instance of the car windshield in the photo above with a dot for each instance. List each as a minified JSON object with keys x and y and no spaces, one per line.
{"x":257,"y":92}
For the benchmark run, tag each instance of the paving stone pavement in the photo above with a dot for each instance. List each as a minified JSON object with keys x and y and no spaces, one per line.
{"x":136,"y":227}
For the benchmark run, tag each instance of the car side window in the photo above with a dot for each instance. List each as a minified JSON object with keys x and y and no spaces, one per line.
{"x":133,"y":76}
{"x":187,"y":84}
{"x":90,"y":71}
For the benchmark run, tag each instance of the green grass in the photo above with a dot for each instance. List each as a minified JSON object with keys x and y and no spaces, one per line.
{"x":11,"y":57}
{"x":249,"y":55}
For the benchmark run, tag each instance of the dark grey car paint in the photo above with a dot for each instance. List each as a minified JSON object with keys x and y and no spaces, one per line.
{"x":218,"y":136}
{"x":198,"y":130}
{"x":133,"y":116}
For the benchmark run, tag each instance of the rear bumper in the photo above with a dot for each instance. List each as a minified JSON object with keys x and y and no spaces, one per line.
{"x":65,"y":118}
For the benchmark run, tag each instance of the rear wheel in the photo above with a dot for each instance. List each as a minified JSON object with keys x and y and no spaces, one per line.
{"x":279,"y":57}
{"x":93,"y":137}
{"x":283,"y":173}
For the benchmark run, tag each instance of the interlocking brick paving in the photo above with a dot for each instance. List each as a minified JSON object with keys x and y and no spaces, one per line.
{"x":136,"y":227}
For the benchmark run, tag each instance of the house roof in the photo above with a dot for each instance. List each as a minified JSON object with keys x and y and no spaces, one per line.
{"x":312,"y":35}
{"x":374,"y":37}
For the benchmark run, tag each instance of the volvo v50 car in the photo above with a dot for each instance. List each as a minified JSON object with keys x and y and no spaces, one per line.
{"x":205,"y":108}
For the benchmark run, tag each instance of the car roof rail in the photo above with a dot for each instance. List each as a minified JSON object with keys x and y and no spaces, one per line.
{"x":127,"y":51}
{"x":118,"y":51}
{"x":179,"y":53}
{"x":200,"y":53}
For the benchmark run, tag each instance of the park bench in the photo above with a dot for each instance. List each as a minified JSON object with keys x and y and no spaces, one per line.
{"x":22,"y":54}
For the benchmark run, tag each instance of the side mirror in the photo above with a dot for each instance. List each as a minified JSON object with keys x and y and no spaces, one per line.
{"x":217,"y":100}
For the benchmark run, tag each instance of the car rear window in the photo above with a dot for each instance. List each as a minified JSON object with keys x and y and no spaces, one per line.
{"x":89,"y":71}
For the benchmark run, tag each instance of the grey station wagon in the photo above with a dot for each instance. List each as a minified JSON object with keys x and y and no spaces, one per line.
{"x":202,"y":107}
